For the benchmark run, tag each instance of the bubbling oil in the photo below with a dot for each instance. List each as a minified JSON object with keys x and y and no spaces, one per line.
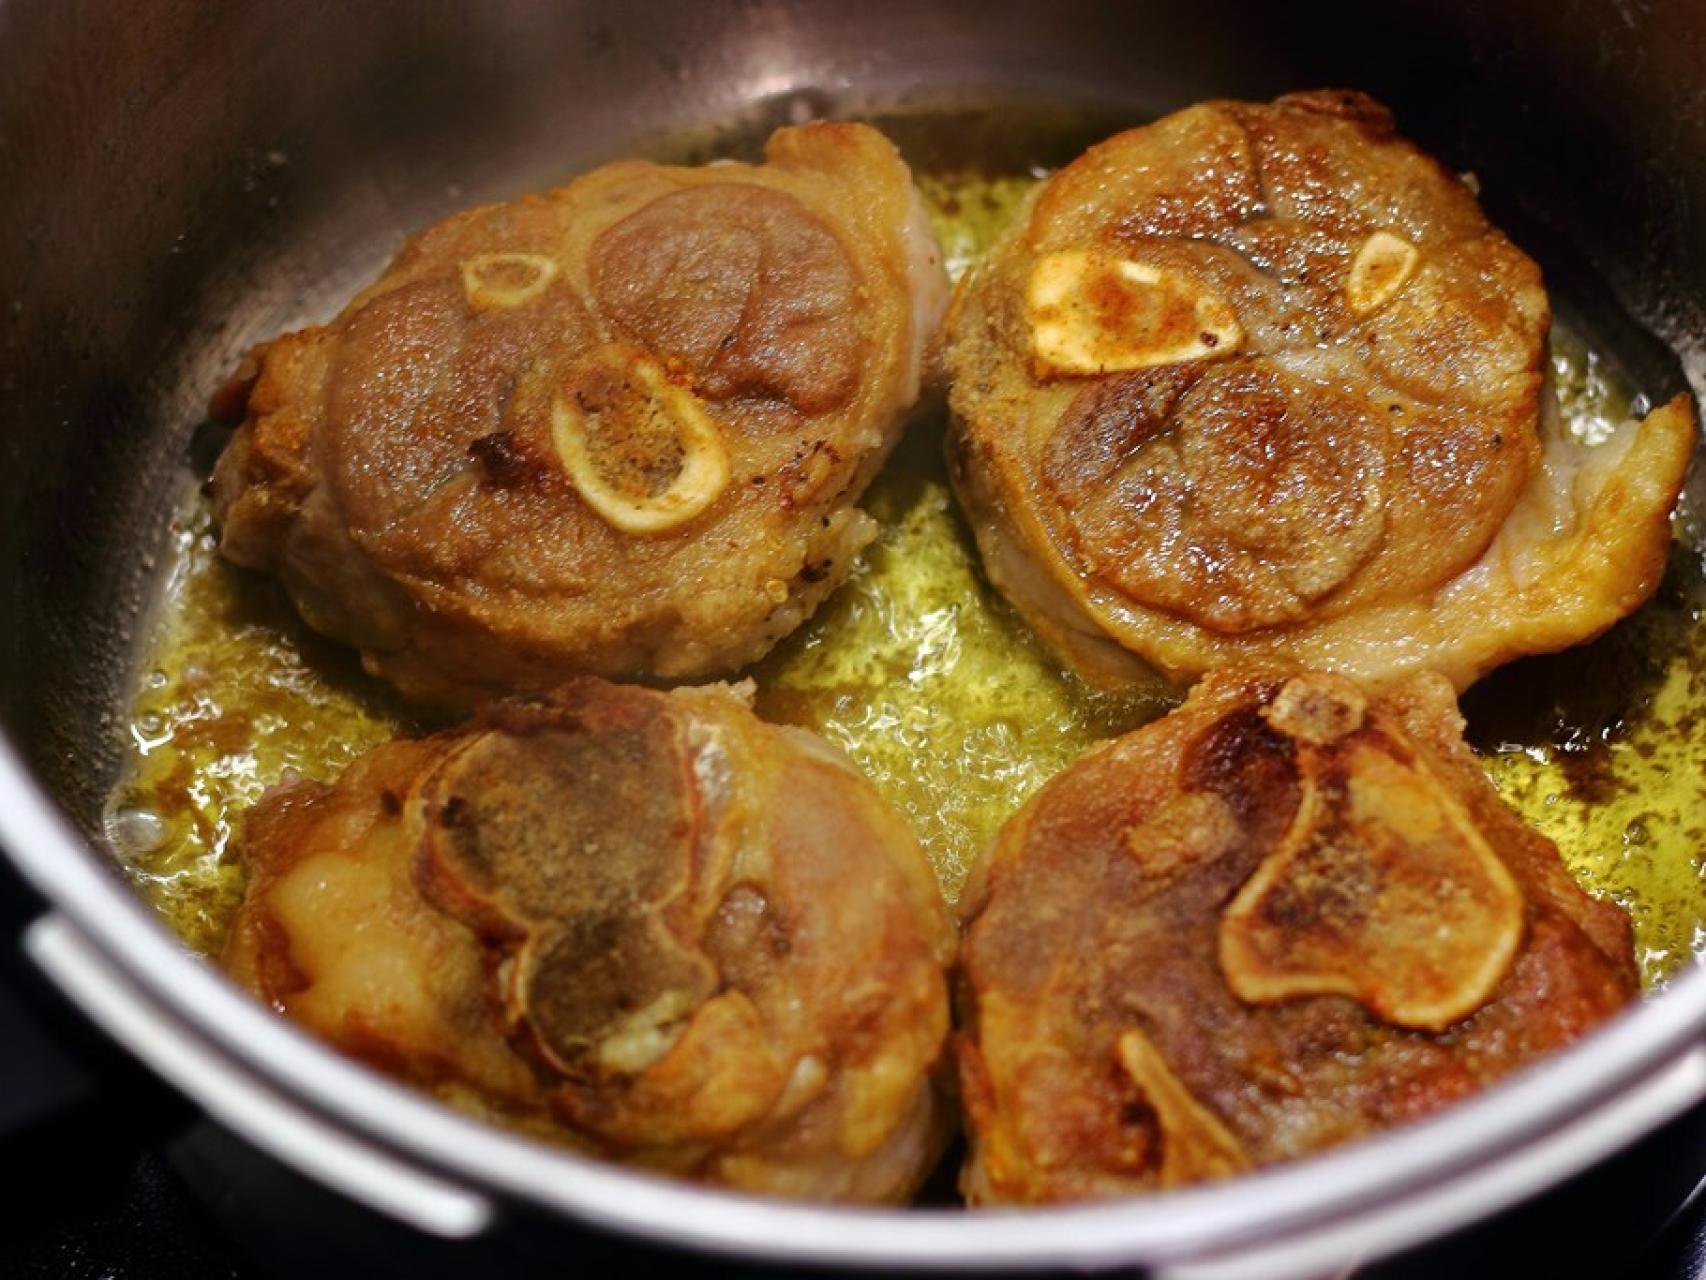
{"x":930,"y":682}
{"x":925,"y":677}
{"x":236,"y":695}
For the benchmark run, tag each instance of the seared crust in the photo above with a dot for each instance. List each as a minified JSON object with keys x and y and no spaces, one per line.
{"x":617,"y":428}
{"x":1286,"y":916}
{"x":1263,"y":380}
{"x":644,"y":923}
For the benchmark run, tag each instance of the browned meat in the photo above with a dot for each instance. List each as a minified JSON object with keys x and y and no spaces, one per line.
{"x":647,"y":924}
{"x":617,"y":428}
{"x":1262,"y":379}
{"x":1286,"y":916}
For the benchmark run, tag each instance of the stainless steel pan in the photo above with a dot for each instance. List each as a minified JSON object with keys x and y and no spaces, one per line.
{"x":178,"y":180}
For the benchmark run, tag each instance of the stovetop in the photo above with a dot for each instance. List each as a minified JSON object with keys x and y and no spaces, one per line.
{"x":110,"y":1175}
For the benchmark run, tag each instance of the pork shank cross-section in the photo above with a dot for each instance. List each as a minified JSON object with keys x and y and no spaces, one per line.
{"x":1291,"y":914}
{"x":647,"y":925}
{"x":617,"y":428}
{"x":1263,"y":380}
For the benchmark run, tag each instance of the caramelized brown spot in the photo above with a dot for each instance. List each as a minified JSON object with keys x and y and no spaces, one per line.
{"x":1243,"y":761}
{"x":502,"y":459}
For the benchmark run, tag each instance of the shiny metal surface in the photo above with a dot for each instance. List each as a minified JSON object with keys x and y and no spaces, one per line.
{"x":179,"y":180}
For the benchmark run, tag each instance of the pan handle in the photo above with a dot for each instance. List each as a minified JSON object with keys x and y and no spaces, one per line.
{"x":250,"y":1108}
